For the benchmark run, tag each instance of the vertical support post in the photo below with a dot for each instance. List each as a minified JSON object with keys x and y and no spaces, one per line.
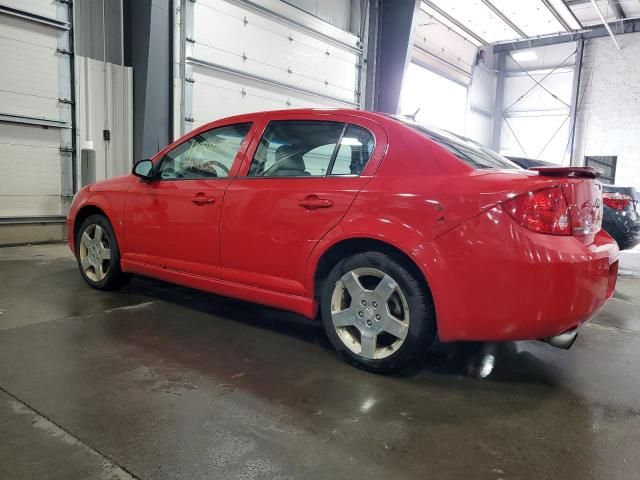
{"x":396,"y":29}
{"x":150,"y":46}
{"x":575,"y":101}
{"x":370,"y":54}
{"x":498,"y":113}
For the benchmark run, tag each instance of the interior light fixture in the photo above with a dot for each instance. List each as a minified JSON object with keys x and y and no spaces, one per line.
{"x":524,"y":56}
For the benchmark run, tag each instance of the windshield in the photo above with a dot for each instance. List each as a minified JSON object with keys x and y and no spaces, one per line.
{"x":470,"y":152}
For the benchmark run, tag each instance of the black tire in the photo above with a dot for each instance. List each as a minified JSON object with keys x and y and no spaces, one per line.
{"x":112,"y":277}
{"x":421,"y":331}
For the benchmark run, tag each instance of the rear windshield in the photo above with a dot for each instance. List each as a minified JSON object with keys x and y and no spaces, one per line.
{"x":470,"y":152}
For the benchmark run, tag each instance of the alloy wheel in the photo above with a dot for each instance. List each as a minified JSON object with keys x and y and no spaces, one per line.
{"x":370,"y":313}
{"x":95,"y":253}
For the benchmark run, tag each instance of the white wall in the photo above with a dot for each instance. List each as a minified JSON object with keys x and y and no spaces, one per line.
{"x":608,"y":121}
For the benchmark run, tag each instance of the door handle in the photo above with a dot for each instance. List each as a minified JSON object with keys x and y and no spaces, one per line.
{"x":203,"y":199}
{"x":313,"y":202}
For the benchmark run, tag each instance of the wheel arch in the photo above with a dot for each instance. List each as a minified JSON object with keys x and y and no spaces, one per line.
{"x":351,"y":246}
{"x":85,"y":212}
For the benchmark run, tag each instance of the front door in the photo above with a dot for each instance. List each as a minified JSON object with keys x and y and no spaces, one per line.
{"x":173,"y":221}
{"x":299,"y":182}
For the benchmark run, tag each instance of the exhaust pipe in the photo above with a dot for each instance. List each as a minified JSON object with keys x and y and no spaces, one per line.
{"x":564,"y":340}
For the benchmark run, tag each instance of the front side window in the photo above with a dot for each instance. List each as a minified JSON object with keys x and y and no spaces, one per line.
{"x":311,"y":148}
{"x":207,"y":155}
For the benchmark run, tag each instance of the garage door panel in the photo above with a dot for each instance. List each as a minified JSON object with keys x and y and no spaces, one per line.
{"x":29,"y":205}
{"x":26,"y":135}
{"x":46,"y":8}
{"x":29,"y":171}
{"x":269,"y":48}
{"x":230,"y":18}
{"x":29,"y":79}
{"x":29,"y":161}
{"x":29,"y":106}
{"x":28,"y":68}
{"x":334,"y":86}
{"x":219,"y":95}
{"x":27,"y":31}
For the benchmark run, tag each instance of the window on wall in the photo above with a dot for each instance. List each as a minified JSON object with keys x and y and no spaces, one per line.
{"x":606,"y":166}
{"x":442,"y":102}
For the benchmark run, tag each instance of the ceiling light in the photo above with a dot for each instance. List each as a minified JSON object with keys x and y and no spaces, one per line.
{"x":524,"y":56}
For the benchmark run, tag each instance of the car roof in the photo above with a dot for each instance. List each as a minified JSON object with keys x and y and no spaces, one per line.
{"x":296,"y":111}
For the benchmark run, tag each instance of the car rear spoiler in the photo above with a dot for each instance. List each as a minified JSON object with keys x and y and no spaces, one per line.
{"x":579,"y":172}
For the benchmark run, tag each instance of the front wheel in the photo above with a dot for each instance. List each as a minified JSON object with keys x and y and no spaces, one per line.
{"x":98,"y":255}
{"x":376,"y":313}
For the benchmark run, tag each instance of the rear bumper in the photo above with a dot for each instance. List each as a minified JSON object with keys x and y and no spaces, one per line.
{"x":493,"y":280}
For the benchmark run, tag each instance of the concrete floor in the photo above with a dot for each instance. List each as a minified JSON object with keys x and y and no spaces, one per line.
{"x":157,"y":381}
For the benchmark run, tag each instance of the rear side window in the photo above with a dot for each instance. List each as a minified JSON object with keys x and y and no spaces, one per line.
{"x":355,"y":149}
{"x":311,"y":148}
{"x":468,"y":151}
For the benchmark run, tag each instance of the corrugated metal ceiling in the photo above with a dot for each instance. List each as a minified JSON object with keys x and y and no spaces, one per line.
{"x":495,"y":21}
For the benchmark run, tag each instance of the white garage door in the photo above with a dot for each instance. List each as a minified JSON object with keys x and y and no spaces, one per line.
{"x":35,"y":109}
{"x":263,"y":55}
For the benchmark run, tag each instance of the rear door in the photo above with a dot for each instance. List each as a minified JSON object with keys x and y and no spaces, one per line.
{"x":296,"y":184}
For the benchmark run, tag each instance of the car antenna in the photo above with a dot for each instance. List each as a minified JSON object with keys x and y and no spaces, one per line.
{"x":413,"y":117}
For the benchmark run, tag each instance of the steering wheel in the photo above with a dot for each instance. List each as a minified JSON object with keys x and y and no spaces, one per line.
{"x":220,"y":165}
{"x":169,"y":173}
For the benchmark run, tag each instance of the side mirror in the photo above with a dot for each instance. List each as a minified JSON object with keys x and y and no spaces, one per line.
{"x":143,"y":169}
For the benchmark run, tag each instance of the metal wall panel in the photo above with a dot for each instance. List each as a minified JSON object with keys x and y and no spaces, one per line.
{"x":104,"y":102}
{"x":242,"y":58}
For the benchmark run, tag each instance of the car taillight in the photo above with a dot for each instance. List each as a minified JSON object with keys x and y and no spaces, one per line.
{"x":543,"y":211}
{"x":615,"y":200}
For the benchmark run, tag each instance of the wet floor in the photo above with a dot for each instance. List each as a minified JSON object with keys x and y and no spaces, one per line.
{"x":157,"y":381}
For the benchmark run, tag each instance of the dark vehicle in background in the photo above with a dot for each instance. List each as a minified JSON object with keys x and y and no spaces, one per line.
{"x":621,"y":217}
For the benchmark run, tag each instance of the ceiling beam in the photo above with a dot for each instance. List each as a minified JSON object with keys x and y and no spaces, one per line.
{"x":557,"y":15}
{"x":504,"y":18}
{"x":570,"y":10}
{"x":629,"y":25}
{"x":455,"y":22}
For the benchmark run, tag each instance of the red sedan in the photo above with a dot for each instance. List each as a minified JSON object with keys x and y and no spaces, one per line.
{"x":394,"y":233}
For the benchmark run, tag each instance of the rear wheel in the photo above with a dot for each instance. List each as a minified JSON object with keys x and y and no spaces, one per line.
{"x":377,"y":314}
{"x":98,"y":255}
